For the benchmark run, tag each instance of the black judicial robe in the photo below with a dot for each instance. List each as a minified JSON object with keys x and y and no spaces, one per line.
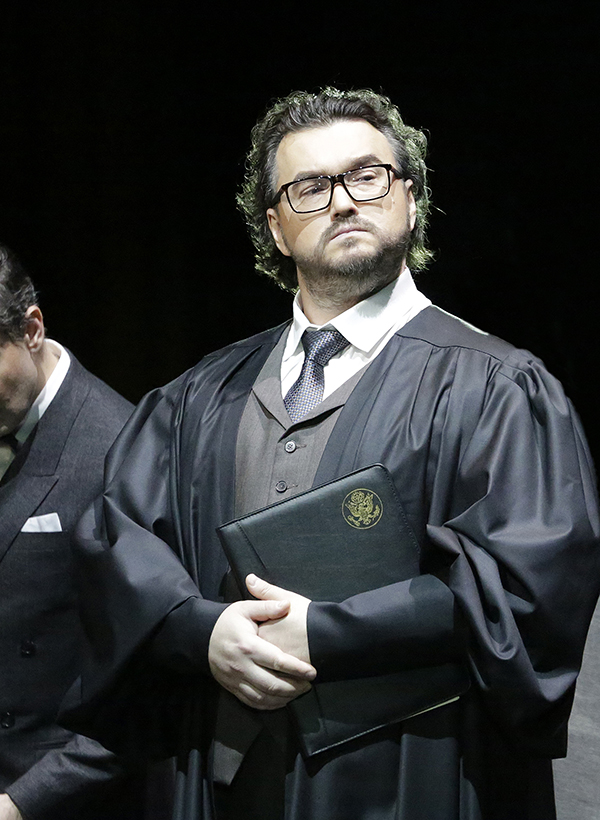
{"x":490,"y":462}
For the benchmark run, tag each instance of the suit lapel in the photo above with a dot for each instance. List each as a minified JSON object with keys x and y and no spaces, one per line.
{"x":53,"y":429}
{"x":37,"y":472}
{"x":18,"y":499}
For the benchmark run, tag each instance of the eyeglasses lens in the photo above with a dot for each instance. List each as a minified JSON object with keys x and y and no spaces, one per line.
{"x":362,"y":184}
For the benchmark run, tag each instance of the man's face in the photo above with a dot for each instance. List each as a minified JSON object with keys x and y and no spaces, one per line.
{"x":348,"y":235}
{"x":19,"y":384}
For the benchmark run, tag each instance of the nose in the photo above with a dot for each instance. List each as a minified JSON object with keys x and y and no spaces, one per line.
{"x":341,"y":201}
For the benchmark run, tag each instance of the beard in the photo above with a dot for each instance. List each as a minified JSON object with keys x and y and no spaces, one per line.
{"x":356,"y":275}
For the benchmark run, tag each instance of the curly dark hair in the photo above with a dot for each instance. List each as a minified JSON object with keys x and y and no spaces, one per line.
{"x":17,"y":295}
{"x":302,"y":110}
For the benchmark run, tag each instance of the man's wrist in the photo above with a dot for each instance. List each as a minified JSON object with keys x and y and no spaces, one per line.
{"x":8,"y":808}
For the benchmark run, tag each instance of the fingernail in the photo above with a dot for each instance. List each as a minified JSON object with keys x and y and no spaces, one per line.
{"x":251,"y":579}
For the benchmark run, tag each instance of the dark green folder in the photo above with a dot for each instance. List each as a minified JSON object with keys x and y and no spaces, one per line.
{"x":329,"y":543}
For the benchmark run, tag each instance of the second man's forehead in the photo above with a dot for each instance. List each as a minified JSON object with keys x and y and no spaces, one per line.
{"x":331,"y":149}
{"x":349,"y":164}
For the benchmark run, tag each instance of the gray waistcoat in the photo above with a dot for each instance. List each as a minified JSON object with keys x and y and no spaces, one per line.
{"x":275,"y":459}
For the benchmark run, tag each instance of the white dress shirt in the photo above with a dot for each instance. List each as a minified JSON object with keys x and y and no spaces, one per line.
{"x":46,"y":394}
{"x":368,"y":326}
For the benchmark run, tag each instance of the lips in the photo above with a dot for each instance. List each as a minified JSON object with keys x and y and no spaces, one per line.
{"x":346,"y":229}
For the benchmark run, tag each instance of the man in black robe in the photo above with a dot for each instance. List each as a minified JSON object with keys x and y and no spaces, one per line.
{"x":488,"y":460}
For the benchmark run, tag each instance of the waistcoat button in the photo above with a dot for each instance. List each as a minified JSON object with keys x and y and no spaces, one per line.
{"x":290,"y":446}
{"x":7,"y":720}
{"x":281,"y":486}
{"x":28,"y":649}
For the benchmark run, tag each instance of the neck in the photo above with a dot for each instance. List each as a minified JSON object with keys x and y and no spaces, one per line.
{"x":319,"y":312}
{"x":46,"y":360}
{"x":321,"y":304}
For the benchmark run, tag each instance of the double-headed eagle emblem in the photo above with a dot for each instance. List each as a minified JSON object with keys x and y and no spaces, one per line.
{"x":362,"y":508}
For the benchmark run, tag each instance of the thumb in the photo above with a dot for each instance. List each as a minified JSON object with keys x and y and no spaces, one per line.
{"x":266,"y":591}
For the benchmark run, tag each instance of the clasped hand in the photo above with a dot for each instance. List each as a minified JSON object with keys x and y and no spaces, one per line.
{"x":8,"y":810}
{"x":258,"y":650}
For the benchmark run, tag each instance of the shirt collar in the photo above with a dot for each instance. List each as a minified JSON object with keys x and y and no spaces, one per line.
{"x":46,"y":394}
{"x":367,"y":322}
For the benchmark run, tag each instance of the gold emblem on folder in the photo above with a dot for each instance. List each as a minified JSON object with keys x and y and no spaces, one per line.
{"x":362,"y":508}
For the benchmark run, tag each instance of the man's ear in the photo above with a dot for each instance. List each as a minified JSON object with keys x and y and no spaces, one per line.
{"x":34,"y":329}
{"x":276,"y":232}
{"x":412,"y":205}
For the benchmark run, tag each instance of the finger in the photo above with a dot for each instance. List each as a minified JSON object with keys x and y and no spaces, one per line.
{"x":259,"y":700}
{"x":270,"y":692}
{"x":269,"y":656}
{"x":251,"y":696}
{"x":256,"y":702}
{"x":266,"y":610}
{"x":264,"y":590}
{"x":268,"y":684}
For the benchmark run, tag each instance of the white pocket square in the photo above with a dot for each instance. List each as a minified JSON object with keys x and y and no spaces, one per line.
{"x":43,"y":523}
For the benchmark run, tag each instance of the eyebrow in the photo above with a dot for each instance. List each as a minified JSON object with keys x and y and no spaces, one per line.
{"x":359,"y":162}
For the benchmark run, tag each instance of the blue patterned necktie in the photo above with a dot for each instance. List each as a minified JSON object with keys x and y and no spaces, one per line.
{"x":307,"y":391}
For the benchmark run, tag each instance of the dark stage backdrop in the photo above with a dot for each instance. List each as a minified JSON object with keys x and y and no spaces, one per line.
{"x":123,"y":130}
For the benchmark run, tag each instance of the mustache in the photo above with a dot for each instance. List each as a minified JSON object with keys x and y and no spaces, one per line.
{"x":347,"y":224}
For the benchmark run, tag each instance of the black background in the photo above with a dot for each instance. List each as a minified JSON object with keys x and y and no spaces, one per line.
{"x":123,"y":131}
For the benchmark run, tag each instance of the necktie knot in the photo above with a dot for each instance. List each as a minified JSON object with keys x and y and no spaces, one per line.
{"x":307,"y":392}
{"x":10,"y":440}
{"x":8,"y":447}
{"x":320,"y":345}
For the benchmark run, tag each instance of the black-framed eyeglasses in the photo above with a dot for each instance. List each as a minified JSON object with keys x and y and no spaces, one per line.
{"x":361,"y":184}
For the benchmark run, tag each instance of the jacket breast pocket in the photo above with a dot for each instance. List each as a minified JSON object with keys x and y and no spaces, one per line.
{"x":42,"y":541}
{"x":49,"y":522}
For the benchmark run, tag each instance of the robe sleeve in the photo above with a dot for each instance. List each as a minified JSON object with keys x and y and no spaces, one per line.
{"x":66,"y":780}
{"x":131,"y":580}
{"x":521,"y":542}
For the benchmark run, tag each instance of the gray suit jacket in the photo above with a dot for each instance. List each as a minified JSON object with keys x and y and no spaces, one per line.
{"x":48,"y":771}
